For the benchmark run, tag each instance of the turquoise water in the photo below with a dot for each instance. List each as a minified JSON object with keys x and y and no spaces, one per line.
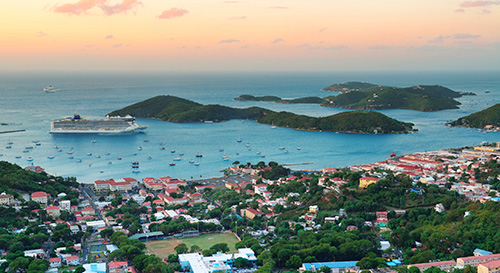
{"x":24,"y":106}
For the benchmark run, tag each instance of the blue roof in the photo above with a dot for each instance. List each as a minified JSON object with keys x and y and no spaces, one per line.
{"x":309,"y":266}
{"x":482,"y":251}
{"x":391,"y":264}
{"x":397,"y":261}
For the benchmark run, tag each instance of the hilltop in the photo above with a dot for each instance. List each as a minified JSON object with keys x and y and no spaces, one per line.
{"x":360,"y":95}
{"x":174,"y":109}
{"x":311,"y":100}
{"x":488,"y":116}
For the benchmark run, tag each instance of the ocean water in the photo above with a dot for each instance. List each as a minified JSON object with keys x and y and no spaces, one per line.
{"x":23,"y":105}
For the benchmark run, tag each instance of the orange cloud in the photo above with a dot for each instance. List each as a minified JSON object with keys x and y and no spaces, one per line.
{"x":229,"y":41}
{"x":82,"y":6}
{"x":172,"y":13}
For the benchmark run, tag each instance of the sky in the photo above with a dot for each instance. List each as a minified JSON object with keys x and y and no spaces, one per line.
{"x":249,"y":35}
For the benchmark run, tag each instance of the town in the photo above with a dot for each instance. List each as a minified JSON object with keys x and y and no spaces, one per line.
{"x":425,"y":212}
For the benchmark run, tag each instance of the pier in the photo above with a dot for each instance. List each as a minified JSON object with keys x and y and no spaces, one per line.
{"x":295,"y":164}
{"x":12,"y":131}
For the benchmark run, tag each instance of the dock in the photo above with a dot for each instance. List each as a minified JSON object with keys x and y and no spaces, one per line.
{"x":12,"y":131}
{"x":295,"y":164}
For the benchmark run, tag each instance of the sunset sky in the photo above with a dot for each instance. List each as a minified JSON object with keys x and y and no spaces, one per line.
{"x":213,"y":35}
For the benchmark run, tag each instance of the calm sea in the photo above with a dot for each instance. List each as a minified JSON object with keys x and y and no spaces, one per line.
{"x":23,"y":105}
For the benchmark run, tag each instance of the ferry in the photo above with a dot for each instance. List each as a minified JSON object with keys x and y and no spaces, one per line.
{"x":109,"y":125}
{"x":48,"y":89}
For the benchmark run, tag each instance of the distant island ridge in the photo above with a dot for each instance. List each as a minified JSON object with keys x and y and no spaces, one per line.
{"x":488,"y":118}
{"x":367,"y":96}
{"x":175,"y":109}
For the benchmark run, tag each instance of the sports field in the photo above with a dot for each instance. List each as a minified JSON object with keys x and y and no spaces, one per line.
{"x":163,"y":248}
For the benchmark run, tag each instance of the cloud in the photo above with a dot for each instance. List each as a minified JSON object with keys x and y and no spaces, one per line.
{"x":245,"y":46}
{"x":465,"y":36}
{"x":83,"y":6}
{"x":122,"y":7}
{"x":88,"y":46}
{"x":117,"y":45}
{"x":459,"y":10}
{"x":109,"y":37}
{"x":486,"y":11}
{"x":475,"y":4}
{"x":439,"y":39}
{"x":380,"y":47}
{"x":41,"y":34}
{"x":238,"y":18}
{"x":277,"y":40}
{"x":229,"y":41}
{"x":337,"y":47}
{"x":231,"y":2}
{"x":323,"y":29}
{"x":172,"y":13}
{"x":278,"y":7}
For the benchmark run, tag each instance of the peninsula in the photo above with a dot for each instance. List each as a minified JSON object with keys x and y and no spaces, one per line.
{"x":175,"y":109}
{"x":361,"y":95}
{"x":487,"y":118}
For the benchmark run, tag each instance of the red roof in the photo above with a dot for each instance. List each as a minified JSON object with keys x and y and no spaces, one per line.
{"x":435,"y":264}
{"x":39,"y":194}
{"x":55,"y":260}
{"x":369,"y":178}
{"x":491,"y":264}
{"x":71,"y":258}
{"x":117,"y":264}
{"x":52,"y":208}
{"x":255,"y":212}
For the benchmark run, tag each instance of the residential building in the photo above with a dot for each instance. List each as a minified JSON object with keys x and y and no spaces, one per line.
{"x":40,"y":197}
{"x":65,"y":205}
{"x":220,"y":262}
{"x":72,"y":260}
{"x":475,"y":260}
{"x":445,"y":265}
{"x":489,"y":267}
{"x":334,"y":266}
{"x":53,"y":211}
{"x":365,"y":181}
{"x":118,"y":267}
{"x":6,"y":199}
{"x":55,"y":262}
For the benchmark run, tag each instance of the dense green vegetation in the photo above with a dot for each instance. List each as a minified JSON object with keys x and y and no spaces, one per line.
{"x":356,"y":95}
{"x":489,"y":116}
{"x":175,"y":109}
{"x":314,"y":100}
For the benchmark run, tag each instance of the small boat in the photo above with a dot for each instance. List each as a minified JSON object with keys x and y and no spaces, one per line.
{"x":70,"y":152}
{"x":247,"y":144}
{"x":197,"y":163}
{"x":119,"y":158}
{"x":239,"y":140}
{"x":93,"y":141}
{"x":90,"y":164}
{"x":38,"y":144}
{"x":48,"y":89}
{"x":146,"y":140}
{"x":10,"y":143}
{"x":134,"y":154}
{"x":298,"y":148}
{"x":139,"y":148}
{"x":199,"y":155}
{"x":71,"y":157}
{"x":225,"y":158}
{"x":29,"y":158}
{"x":237,"y":153}
{"x":26,"y":151}
{"x":51,"y":156}
{"x":18,"y":156}
{"x":101,"y":171}
{"x":109,"y":162}
{"x":221,"y":149}
{"x":281,"y":148}
{"x":60,"y":150}
{"x":262,"y":155}
{"x":162,"y":143}
{"x":172,"y":164}
{"x":78,"y":161}
{"x":107,"y":153}
{"x":487,"y":91}
{"x":149,"y":157}
{"x":172,"y":151}
{"x":258,"y":153}
{"x":28,"y":147}
{"x":181,"y":154}
{"x":286,"y":151}
{"x":191,"y":161}
{"x":8,"y":147}
{"x":89,"y":154}
{"x":177,"y":159}
{"x":56,"y":147}
{"x":162,"y":148}
{"x":393,"y":154}
{"x":273,"y":126}
{"x":136,"y":171}
{"x":97,"y":156}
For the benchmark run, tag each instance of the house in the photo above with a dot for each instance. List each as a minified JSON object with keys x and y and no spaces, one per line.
{"x":118,"y":267}
{"x":65,"y":205}
{"x":445,"y":265}
{"x":313,"y":209}
{"x":72,"y":260}
{"x":489,"y":267}
{"x":251,"y":213}
{"x":365,"y":181}
{"x":55,"y":262}
{"x":88,"y":211}
{"x":40,"y":197}
{"x":334,"y":266}
{"x":475,"y":260}
{"x":53,"y":211}
{"x":6,"y":199}
{"x":481,"y":252}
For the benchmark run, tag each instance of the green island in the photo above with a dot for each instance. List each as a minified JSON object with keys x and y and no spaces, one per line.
{"x":311,"y":100}
{"x":175,"y":109}
{"x":367,"y":96}
{"x":487,"y":117}
{"x":361,"y":95}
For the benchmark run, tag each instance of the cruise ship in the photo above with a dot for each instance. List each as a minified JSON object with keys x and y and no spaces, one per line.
{"x":109,"y":125}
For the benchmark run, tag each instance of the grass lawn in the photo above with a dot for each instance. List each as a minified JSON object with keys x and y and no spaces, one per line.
{"x":163,"y":248}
